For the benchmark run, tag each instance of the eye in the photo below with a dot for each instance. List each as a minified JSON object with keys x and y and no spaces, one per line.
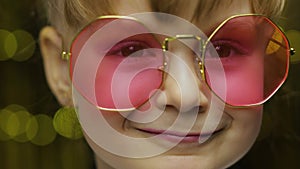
{"x":129,"y":48}
{"x":223,"y":50}
{"x":132,"y":48}
{"x":228,"y":48}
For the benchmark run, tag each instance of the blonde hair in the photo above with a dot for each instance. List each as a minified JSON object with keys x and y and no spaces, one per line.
{"x":74,"y":13}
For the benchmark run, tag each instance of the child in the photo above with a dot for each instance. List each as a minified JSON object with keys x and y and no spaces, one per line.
{"x":179,"y":87}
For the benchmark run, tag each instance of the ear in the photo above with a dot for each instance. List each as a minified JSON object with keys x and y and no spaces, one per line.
{"x":56,"y":69}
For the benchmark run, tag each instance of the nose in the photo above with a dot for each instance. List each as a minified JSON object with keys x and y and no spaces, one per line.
{"x":183,"y":89}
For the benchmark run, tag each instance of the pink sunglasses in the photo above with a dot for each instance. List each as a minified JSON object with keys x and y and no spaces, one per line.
{"x":253,"y":51}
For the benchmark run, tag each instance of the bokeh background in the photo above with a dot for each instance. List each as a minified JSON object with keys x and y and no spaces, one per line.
{"x":29,"y":138}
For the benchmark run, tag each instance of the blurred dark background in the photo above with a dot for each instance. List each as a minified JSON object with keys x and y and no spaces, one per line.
{"x":28,"y":139}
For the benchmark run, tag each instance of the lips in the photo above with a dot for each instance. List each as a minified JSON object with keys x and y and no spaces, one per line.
{"x":179,"y":137}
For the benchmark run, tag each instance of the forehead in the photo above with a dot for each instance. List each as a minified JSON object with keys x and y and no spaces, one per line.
{"x":203,"y":13}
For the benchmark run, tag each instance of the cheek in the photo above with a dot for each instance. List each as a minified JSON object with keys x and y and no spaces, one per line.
{"x":238,"y":81}
{"x":242,"y":132}
{"x":120,"y":85}
{"x":114,"y":120}
{"x":251,"y":124}
{"x":97,"y":123}
{"x":245,"y":85}
{"x":246,"y":125}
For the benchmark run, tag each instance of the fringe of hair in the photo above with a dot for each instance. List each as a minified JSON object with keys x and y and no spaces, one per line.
{"x":77,"y":12}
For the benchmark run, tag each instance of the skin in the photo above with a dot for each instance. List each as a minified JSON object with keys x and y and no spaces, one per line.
{"x":239,"y":126}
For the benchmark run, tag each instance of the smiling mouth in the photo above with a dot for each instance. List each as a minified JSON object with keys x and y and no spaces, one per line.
{"x":179,"y":137}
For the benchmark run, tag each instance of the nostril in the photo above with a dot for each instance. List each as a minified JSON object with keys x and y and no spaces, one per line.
{"x":158,"y":99}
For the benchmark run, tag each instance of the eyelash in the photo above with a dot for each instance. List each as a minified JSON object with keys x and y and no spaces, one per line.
{"x":234,"y":46}
{"x":118,"y":48}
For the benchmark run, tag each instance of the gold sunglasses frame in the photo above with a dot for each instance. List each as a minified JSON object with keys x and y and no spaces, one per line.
{"x":165,"y":45}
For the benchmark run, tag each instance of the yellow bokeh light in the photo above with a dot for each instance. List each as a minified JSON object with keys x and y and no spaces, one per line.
{"x":13,"y":121}
{"x":66,"y":123}
{"x":23,"y":118}
{"x":4,"y":115}
{"x":8,"y":45}
{"x":45,"y":132}
{"x":32,"y":128}
{"x":26,"y":45}
{"x":15,"y":108}
{"x":11,"y":124}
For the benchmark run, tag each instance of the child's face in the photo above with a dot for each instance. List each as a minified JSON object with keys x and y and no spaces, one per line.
{"x":232,"y":131}
{"x":237,"y":127}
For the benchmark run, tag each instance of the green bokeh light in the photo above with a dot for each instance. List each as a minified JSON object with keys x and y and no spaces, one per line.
{"x":23,"y":118}
{"x":26,"y":45}
{"x":13,"y":121}
{"x":4,"y":115}
{"x":12,"y":125}
{"x":18,"y":124}
{"x":45,"y":132}
{"x":32,"y":128}
{"x":15,"y":108}
{"x":66,"y":123}
{"x":8,"y":45}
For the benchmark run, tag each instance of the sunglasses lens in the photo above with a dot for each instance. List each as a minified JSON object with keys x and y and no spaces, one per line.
{"x":116,"y":63}
{"x":254,"y":54}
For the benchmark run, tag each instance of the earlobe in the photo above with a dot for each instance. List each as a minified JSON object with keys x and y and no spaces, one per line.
{"x":56,"y":69}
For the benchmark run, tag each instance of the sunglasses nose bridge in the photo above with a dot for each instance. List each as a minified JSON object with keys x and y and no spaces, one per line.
{"x":166,"y":41}
{"x":198,"y":54}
